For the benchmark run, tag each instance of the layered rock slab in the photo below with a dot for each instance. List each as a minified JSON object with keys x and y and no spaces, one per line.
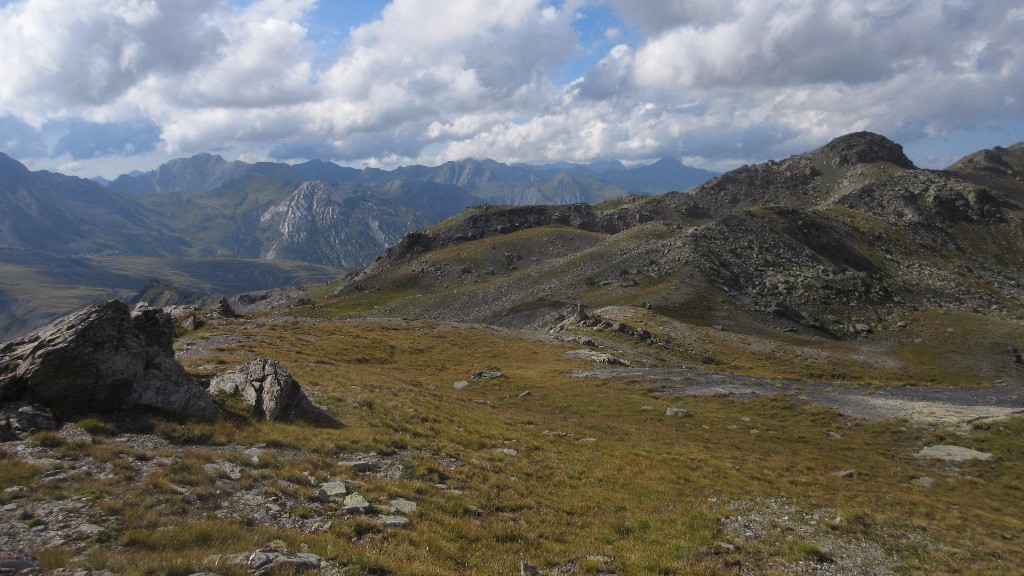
{"x":101,"y":359}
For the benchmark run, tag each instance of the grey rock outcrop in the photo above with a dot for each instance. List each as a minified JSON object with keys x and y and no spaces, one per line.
{"x":951,"y":453}
{"x":491,"y":373}
{"x":102,"y":359}
{"x":23,"y":418}
{"x":267,"y":386}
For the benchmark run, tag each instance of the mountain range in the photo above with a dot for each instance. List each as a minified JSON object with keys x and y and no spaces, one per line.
{"x":67,"y":241}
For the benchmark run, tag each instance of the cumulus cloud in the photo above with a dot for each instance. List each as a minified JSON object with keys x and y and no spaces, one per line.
{"x":719,"y":82}
{"x":779,"y":76}
{"x":61,"y":58}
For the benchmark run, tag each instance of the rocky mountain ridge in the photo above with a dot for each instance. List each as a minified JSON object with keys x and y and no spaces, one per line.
{"x":486,"y":180}
{"x":838,"y":241}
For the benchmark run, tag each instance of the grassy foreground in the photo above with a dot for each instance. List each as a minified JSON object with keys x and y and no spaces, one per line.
{"x":590,"y":475}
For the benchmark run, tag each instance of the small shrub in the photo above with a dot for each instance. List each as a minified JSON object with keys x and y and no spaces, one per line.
{"x":52,"y":558}
{"x":97,"y":427}
{"x":183,"y":434}
{"x":48,"y":439}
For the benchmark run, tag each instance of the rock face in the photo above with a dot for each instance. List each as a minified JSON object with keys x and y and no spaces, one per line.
{"x":102,"y":359}
{"x":330,"y":224}
{"x":266,"y":385}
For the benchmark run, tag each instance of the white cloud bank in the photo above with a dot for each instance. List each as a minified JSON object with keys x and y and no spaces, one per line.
{"x":717,"y":82}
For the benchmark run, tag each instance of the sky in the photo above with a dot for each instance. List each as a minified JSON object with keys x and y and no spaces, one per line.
{"x":103,"y":87}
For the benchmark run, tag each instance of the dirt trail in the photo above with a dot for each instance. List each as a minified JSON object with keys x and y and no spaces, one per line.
{"x":923,"y":405}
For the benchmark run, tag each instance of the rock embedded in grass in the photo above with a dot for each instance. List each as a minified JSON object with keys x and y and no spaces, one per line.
{"x":393,"y":521}
{"x":491,"y":373}
{"x":595,"y":356}
{"x":355,"y":504}
{"x":460,"y":385}
{"x":678,"y":412}
{"x":950,"y":453}
{"x":402,"y":505}
{"x":329,"y":491}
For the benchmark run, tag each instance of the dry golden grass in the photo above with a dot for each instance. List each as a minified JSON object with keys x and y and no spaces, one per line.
{"x":648,"y":491}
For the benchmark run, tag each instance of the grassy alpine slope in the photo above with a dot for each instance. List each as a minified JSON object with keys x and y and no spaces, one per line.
{"x":584,"y":470}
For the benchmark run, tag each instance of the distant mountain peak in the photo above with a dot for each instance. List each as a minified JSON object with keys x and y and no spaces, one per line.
{"x":10,"y":165}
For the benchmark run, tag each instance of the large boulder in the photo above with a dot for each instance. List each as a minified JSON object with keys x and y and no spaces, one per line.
{"x":102,"y":359}
{"x":267,"y":386}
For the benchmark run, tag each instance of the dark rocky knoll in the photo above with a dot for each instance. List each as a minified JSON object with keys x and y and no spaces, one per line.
{"x":837,"y":240}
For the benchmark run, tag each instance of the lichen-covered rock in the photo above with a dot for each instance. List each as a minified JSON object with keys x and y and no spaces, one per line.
{"x":267,"y":386}
{"x":101,"y":359}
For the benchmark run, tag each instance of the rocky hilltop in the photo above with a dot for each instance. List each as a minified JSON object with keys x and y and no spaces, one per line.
{"x":842,"y":240}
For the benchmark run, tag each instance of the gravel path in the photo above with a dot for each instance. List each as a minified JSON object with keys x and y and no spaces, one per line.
{"x":926,"y":405}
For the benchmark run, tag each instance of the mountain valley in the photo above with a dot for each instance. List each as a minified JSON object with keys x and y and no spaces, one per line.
{"x":270,"y":223}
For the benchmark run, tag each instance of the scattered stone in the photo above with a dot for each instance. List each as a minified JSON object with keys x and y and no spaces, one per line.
{"x":329,"y":491}
{"x":355,"y":504}
{"x":224,"y":469}
{"x":507,"y":451}
{"x":192,"y":323}
{"x":678,"y":412}
{"x":17,"y":562}
{"x":588,"y":439}
{"x":267,"y":561}
{"x":527,"y":569}
{"x":862,"y":328}
{"x":646,"y":408}
{"x":835,"y":435}
{"x":845,"y":473}
{"x":923,"y":481}
{"x":89,"y":529}
{"x":951,"y":453}
{"x":9,"y":508}
{"x":595,"y":356}
{"x":404,"y":506}
{"x":460,"y":385}
{"x":266,"y":385}
{"x":254,"y":454}
{"x":102,"y":359}
{"x":526,"y":394}
{"x":725,"y":548}
{"x":23,"y":418}
{"x":491,"y":373}
{"x":360,"y":466}
{"x":393,"y":521}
